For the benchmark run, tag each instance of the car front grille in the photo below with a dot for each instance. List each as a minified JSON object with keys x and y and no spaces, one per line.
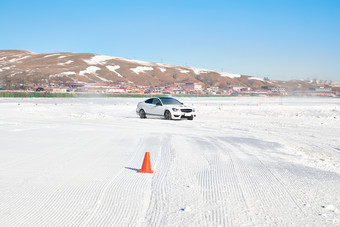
{"x":186,"y":110}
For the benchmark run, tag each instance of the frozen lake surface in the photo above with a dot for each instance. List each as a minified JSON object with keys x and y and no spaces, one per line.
{"x":244,"y":161}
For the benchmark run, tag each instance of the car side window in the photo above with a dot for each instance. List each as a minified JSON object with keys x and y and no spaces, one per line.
{"x":149,"y":101}
{"x":156,"y":101}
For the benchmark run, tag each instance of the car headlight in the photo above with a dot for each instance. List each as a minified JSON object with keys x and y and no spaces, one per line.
{"x":175,"y":109}
{"x":193,"y":110}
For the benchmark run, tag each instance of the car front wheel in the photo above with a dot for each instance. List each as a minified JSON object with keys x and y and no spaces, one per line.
{"x":167,"y":115}
{"x":190,"y":118}
{"x":142,"y":114}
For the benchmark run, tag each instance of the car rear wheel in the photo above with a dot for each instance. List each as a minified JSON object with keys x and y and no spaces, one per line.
{"x":142,"y":114}
{"x":167,"y":115}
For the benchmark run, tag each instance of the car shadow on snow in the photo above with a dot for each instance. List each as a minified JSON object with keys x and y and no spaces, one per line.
{"x":154,"y":118}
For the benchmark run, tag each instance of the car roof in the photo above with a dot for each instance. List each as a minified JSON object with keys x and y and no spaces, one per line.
{"x":165,"y":97}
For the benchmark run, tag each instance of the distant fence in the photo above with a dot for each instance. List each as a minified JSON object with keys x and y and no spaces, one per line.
{"x":8,"y":94}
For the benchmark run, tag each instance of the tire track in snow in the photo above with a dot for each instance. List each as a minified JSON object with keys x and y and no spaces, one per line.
{"x":125,"y":199}
{"x":160,"y":187}
{"x":30,"y":199}
{"x":199,"y":178}
{"x":175,"y":189}
{"x":304,"y":178}
{"x":69,"y":203}
{"x":267,"y":193}
{"x":221,"y":188}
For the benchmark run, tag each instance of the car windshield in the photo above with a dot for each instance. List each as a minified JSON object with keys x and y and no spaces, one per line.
{"x":170,"y":101}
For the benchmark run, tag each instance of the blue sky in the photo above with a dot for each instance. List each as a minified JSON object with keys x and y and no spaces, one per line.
{"x":279,"y":39}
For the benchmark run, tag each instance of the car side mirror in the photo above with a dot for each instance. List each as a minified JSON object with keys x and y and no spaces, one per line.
{"x":158,"y":104}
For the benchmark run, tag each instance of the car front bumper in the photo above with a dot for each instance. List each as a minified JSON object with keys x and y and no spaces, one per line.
{"x":179,"y":115}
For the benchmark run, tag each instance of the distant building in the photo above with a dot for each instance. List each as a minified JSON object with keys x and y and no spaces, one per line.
{"x":178,"y":91}
{"x":157,"y":90}
{"x":321,"y":89}
{"x":278,"y":89}
{"x":60,"y":90}
{"x":238,"y":88}
{"x":212,"y":90}
{"x":75,"y":85}
{"x":335,"y":84}
{"x":168,"y":91}
{"x":145,"y":86}
{"x":116,"y":90}
{"x":275,"y":90}
{"x":192,"y":87}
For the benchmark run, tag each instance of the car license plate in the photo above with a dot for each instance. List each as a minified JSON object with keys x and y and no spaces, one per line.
{"x":187,"y":114}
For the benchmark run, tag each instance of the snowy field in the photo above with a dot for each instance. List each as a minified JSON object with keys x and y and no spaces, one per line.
{"x":244,"y":161}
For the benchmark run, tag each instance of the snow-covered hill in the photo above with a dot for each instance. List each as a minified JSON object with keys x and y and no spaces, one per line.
{"x":27,"y":67}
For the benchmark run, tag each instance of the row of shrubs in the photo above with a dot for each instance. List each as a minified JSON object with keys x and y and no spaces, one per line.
{"x":61,"y":95}
{"x":82,"y":95}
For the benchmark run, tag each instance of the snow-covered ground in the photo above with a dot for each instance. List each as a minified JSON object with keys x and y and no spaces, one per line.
{"x":253,"y":161}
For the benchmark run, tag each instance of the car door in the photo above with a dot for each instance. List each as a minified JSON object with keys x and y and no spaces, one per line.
{"x":148,"y":106}
{"x":157,"y":107}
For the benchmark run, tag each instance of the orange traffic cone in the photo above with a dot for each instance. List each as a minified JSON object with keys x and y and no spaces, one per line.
{"x":146,"y":167}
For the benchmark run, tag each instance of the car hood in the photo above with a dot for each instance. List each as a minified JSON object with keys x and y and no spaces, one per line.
{"x":179,"y":106}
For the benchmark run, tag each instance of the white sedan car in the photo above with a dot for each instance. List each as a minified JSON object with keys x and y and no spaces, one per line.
{"x":168,"y":107}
